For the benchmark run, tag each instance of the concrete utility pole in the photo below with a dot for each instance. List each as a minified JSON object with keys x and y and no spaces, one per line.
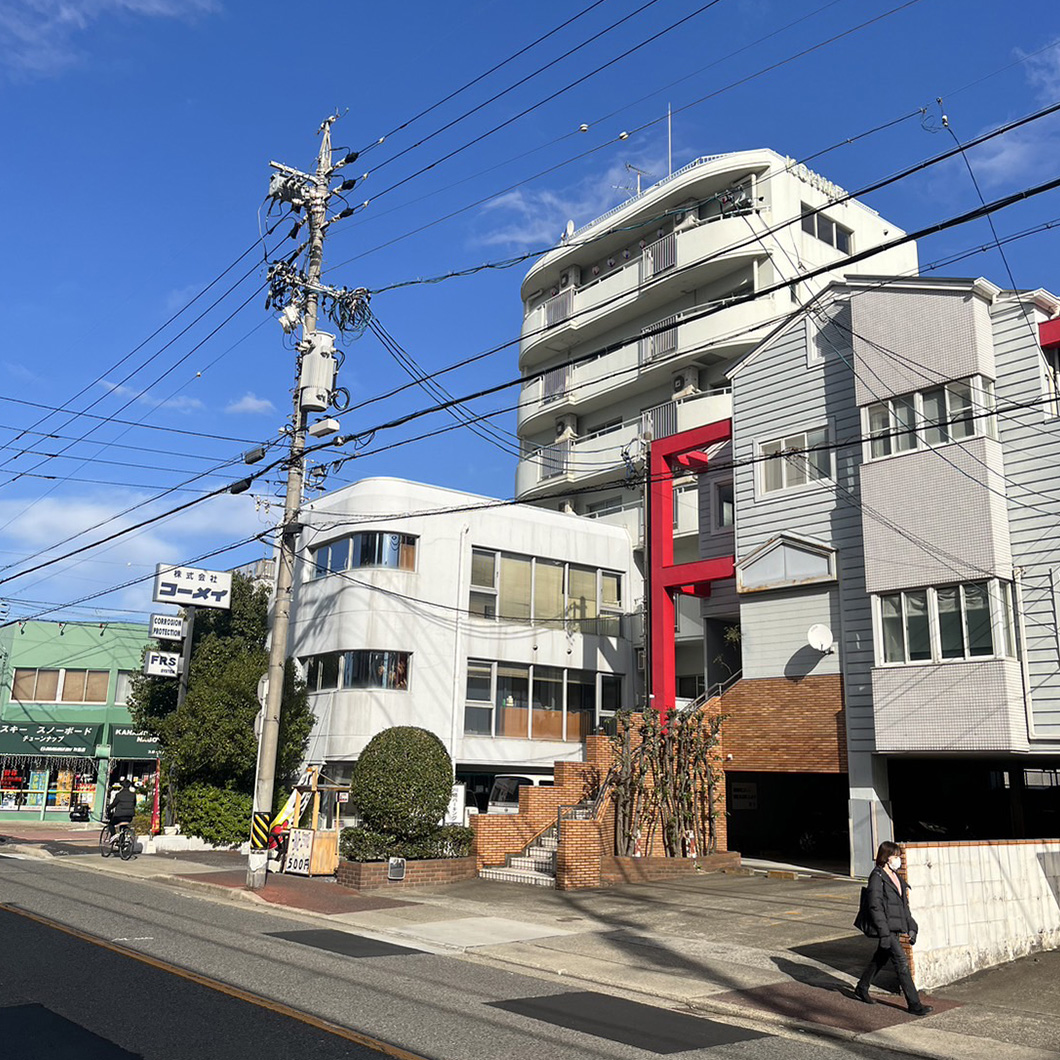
{"x":316,"y":189}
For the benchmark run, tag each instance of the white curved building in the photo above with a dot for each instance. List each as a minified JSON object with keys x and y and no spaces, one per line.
{"x":502,"y":631}
{"x":632,"y":322}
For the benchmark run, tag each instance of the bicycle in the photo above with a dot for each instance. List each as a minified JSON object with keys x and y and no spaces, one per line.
{"x":123,"y":841}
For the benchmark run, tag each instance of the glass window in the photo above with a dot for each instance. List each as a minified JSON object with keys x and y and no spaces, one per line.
{"x":795,"y":473}
{"x":24,"y":686}
{"x":610,"y":692}
{"x":547,"y":720}
{"x":879,"y":429}
{"x":935,"y":432}
{"x":483,"y":568}
{"x":724,"y":505}
{"x":123,"y":687}
{"x":548,"y":593}
{"x":581,"y":703}
{"x":811,"y":460}
{"x":917,"y":630}
{"x":484,"y":605}
{"x":977,"y":616}
{"x":514,"y":598}
{"x":376,"y":669}
{"x":809,"y":219}
{"x":893,"y":628}
{"x":610,"y":589}
{"x":329,"y":670}
{"x":513,"y":694}
{"x":962,"y":425}
{"x":904,"y":414}
{"x":825,"y":229}
{"x":772,"y":467}
{"x":951,"y":625}
{"x":74,"y":686}
{"x":96,"y":686}
{"x":1006,"y":620}
{"x":47,"y":686}
{"x":581,"y":598}
{"x":478,"y":710}
{"x":842,"y":239}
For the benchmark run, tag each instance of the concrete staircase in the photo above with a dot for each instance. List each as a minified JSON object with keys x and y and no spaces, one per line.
{"x":535,"y":865}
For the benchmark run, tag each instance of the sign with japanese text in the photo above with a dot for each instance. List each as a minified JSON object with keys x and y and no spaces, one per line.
{"x":128,"y":742}
{"x":299,"y":851}
{"x":30,"y":738}
{"x":189,"y":585}
{"x":162,"y":664}
{"x":168,"y":627}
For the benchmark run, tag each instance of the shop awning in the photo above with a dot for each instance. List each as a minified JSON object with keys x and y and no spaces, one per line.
{"x":30,"y":738}
{"x":127,"y":742}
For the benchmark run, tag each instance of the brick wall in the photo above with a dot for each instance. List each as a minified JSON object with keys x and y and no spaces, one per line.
{"x":578,"y":855}
{"x":644,"y":870}
{"x":364,"y":875}
{"x":778,"y":725}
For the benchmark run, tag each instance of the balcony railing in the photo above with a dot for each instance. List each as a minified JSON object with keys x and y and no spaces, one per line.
{"x":658,"y":256}
{"x":559,"y":307}
{"x":661,"y":342}
{"x":661,"y":421}
{"x":553,"y":459}
{"x":556,"y":383}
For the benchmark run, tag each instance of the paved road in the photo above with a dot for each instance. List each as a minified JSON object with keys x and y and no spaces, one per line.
{"x":101,"y":1003}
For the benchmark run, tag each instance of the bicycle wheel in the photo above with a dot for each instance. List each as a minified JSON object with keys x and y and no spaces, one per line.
{"x":126,"y":843}
{"x":104,"y":843}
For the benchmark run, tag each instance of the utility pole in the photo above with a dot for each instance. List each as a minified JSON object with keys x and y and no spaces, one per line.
{"x":311,"y":191}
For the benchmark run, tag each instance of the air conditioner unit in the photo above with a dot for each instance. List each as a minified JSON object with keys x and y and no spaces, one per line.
{"x":566,"y":427}
{"x":571,"y":277}
{"x":685,"y":382}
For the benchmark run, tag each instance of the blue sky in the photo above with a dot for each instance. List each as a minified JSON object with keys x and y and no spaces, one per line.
{"x":138,"y":135}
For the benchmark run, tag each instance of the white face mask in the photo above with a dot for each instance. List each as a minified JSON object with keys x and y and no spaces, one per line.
{"x":894,"y":864}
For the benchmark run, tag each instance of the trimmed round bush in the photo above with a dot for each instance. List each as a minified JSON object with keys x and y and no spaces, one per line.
{"x":402,"y":782}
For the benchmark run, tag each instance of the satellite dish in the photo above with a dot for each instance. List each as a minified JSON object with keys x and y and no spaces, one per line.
{"x":570,"y":228}
{"x":820,"y":638}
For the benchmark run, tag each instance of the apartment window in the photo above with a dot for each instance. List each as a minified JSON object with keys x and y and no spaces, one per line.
{"x":358,"y":669}
{"x":942,"y":414}
{"x":370,"y":548}
{"x":513,"y":588}
{"x":608,"y":506}
{"x":967,"y":621}
{"x":825,"y":229}
{"x":35,"y":686}
{"x":722,"y":507}
{"x":535,"y":702}
{"x":123,"y":686}
{"x":794,"y":460}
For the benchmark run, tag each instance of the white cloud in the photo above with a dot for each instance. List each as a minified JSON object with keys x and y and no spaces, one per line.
{"x":40,"y":37}
{"x":1028,"y":154}
{"x":250,"y":403}
{"x":526,"y":218}
{"x":177,"y":402}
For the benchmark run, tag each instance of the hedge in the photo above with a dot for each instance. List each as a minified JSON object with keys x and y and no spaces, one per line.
{"x":363,"y":844}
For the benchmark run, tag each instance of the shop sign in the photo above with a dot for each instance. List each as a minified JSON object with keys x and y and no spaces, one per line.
{"x":299,"y":851}
{"x":168,"y":627}
{"x":162,"y":664}
{"x":127,"y":742}
{"x":28,"y":738}
{"x":190,"y":585}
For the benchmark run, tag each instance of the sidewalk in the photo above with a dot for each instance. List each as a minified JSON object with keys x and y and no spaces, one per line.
{"x":766,"y":949}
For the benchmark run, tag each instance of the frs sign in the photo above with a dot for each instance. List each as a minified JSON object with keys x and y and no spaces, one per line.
{"x":162,"y":664}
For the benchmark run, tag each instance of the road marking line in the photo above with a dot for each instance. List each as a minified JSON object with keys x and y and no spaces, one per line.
{"x":376,"y":1044}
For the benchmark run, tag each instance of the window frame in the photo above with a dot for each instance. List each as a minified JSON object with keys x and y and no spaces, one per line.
{"x":786,"y":488}
{"x":982,"y":423}
{"x":1004,"y":643}
{"x":811,"y":225}
{"x":354,"y":546}
{"x":716,"y":486}
{"x":313,"y":667}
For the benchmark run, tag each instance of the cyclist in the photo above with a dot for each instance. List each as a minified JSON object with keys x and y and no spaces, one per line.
{"x":122,"y":806}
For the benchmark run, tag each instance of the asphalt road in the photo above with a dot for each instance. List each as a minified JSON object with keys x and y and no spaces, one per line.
{"x":66,"y":995}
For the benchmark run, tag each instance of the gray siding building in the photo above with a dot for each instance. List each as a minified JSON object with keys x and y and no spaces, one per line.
{"x":893,"y":450}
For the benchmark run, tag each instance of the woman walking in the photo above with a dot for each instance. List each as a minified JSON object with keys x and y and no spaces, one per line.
{"x":888,"y":897}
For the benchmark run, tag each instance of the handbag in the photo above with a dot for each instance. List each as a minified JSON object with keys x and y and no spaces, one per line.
{"x":863,"y":922}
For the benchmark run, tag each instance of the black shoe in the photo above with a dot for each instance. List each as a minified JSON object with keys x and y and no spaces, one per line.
{"x":863,"y":995}
{"x":921,"y":1010}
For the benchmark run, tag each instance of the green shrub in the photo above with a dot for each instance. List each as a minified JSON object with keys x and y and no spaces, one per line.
{"x":141,"y":823}
{"x":362,"y":844}
{"x":402,"y":782}
{"x":215,"y":814}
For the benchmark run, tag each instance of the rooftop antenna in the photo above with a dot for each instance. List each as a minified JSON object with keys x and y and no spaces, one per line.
{"x":630,"y":168}
{"x":669,"y":140}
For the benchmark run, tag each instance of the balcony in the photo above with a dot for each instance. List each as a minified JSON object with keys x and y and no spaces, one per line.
{"x":699,"y":255}
{"x":711,"y":339}
{"x":598,"y":457}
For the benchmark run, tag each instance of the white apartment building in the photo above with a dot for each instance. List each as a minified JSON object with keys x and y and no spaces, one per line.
{"x":502,"y":630}
{"x":631,"y":323}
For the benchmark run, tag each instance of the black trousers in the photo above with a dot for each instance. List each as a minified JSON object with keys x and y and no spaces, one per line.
{"x":896,"y":955}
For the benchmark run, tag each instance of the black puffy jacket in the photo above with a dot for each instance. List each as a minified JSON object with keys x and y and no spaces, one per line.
{"x":124,"y":803}
{"x":889,"y":908}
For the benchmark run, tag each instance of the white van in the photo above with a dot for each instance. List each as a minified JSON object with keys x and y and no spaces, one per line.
{"x":504,"y":795}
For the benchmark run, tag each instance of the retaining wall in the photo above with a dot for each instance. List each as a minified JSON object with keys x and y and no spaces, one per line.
{"x":981,"y":903}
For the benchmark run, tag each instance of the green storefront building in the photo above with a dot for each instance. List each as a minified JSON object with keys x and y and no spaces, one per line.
{"x":64,"y":728}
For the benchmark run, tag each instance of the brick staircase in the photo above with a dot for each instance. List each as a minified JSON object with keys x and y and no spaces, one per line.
{"x":534,"y":865}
